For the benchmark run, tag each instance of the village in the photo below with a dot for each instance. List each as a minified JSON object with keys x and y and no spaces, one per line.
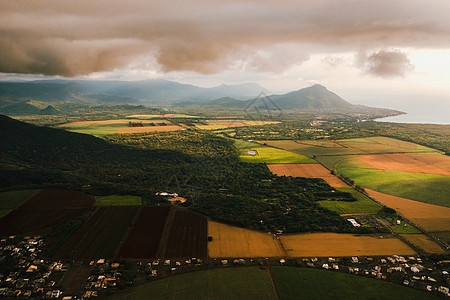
{"x":25,"y":273}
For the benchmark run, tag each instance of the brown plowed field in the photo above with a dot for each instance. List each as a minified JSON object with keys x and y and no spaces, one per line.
{"x":413,"y":163}
{"x":27,"y":221}
{"x":424,"y":242}
{"x":231,"y":241}
{"x":188,"y":235}
{"x":306,"y":170}
{"x":58,"y":199}
{"x":428,"y":216}
{"x":148,"y":129}
{"x":143,"y":240}
{"x":339,"y":244}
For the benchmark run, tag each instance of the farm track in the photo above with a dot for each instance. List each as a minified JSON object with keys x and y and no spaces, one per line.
{"x":165,"y":233}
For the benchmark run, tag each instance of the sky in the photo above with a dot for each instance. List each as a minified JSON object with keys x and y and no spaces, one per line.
{"x":379,"y":52}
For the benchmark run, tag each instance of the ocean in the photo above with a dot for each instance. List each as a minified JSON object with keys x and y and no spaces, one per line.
{"x":426,"y":112}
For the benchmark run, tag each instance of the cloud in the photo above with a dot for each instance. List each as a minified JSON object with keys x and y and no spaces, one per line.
{"x":385,"y":63}
{"x":72,"y":38}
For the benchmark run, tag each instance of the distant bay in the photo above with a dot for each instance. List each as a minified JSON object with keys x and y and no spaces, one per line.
{"x":431,"y":112}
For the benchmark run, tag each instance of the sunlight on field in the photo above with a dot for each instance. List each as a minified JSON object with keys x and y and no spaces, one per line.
{"x":269,"y":155}
{"x":231,"y":241}
{"x":339,"y":244}
{"x":121,"y":126}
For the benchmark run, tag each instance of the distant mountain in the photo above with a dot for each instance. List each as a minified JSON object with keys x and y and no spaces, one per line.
{"x":160,"y":92}
{"x":152,"y":91}
{"x":55,"y":91}
{"x":316,"y":97}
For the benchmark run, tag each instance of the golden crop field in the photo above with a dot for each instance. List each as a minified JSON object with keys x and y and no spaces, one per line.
{"x":231,"y":241}
{"x":340,"y":244}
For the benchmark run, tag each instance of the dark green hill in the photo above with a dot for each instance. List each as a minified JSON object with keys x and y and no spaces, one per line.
{"x":316,"y":97}
{"x":14,"y":92}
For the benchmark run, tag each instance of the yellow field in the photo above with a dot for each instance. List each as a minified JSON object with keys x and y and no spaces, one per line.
{"x":230,"y":241}
{"x":340,"y":244}
{"x":424,"y":242}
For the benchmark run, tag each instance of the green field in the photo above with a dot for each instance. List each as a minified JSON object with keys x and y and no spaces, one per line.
{"x":117,"y":200}
{"x":253,"y":283}
{"x":270,"y":155}
{"x":13,"y":199}
{"x":102,"y":128}
{"x":301,"y":283}
{"x":405,"y":228}
{"x":230,"y":283}
{"x":363,"y":205}
{"x":427,"y":188}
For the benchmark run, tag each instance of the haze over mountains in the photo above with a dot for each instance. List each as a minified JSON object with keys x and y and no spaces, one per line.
{"x":18,"y":97}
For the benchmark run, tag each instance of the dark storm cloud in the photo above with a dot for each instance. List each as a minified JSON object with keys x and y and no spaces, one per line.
{"x":70,"y":38}
{"x":387,"y":63}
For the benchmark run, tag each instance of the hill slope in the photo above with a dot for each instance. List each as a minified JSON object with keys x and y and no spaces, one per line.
{"x":316,"y":97}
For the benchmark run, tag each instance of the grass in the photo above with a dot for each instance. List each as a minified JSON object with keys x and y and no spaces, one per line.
{"x":270,"y":155}
{"x":227,"y":283}
{"x":405,"y":228}
{"x":13,"y":199}
{"x":432,"y":190}
{"x":363,"y":205}
{"x":295,"y":283}
{"x":117,"y":200}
